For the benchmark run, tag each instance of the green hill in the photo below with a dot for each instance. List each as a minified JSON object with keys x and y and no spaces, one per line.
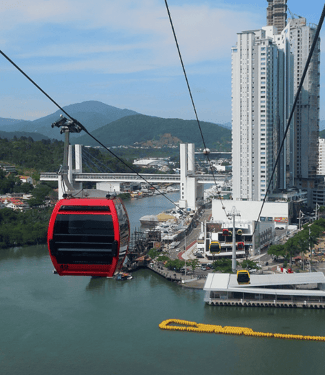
{"x":11,"y":135}
{"x":140,"y":129}
{"x":92,"y":114}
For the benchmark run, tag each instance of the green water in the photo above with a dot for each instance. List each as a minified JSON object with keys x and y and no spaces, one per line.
{"x":77,"y":325}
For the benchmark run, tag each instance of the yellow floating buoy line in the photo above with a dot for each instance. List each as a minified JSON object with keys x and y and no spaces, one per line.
{"x":185,"y":325}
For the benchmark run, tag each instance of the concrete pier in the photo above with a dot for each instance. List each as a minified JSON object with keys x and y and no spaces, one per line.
{"x":265,"y":303}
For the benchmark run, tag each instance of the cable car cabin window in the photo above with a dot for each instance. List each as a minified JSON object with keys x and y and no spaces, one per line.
{"x":83,"y":238}
{"x":84,"y":224}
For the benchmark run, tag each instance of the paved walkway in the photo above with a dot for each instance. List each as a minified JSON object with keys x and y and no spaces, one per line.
{"x":188,"y":254}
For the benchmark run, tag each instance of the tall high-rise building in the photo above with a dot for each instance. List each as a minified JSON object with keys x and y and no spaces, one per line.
{"x":262,"y":95}
{"x":277,"y":14}
{"x":267,"y":67}
{"x":306,"y":121}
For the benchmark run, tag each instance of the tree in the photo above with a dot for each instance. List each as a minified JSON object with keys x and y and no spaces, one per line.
{"x":223,"y":265}
{"x":176,"y":264}
{"x":39,"y":194}
{"x":277,"y":251}
{"x":291,"y":249}
{"x":193,"y":263}
{"x":249,"y":264}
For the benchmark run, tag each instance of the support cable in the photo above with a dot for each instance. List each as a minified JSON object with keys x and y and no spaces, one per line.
{"x":192,"y":100}
{"x":82,"y":127}
{"x":93,"y":166}
{"x":95,"y":162}
{"x":101,"y":166}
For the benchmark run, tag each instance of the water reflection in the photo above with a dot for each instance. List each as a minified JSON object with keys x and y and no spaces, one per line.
{"x":38,"y":251}
{"x":96,"y":283}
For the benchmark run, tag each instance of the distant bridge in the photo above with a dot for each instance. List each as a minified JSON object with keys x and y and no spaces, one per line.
{"x":132,"y":177}
{"x":191,"y":183}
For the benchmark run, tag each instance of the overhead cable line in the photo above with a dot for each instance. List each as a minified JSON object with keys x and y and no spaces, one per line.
{"x":192,"y":100}
{"x":82,"y":127}
{"x":294,"y":106}
{"x":93,"y":166}
{"x":96,"y":162}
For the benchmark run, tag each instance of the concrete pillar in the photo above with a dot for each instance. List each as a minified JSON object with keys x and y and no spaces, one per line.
{"x":191,"y":192}
{"x":191,"y":158}
{"x":78,"y":158}
{"x":78,"y":165}
{"x":183,"y":172}
{"x":60,"y":187}
{"x":70,"y":165}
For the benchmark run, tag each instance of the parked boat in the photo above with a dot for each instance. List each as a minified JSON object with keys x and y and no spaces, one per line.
{"x":123,"y":276}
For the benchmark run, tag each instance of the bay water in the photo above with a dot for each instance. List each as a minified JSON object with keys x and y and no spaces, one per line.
{"x":78,"y":325}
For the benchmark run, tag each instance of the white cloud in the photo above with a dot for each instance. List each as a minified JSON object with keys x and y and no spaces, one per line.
{"x":81,"y":49}
{"x":205,"y":32}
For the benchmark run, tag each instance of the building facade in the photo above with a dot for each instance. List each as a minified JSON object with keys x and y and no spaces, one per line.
{"x":306,"y":121}
{"x":262,"y":95}
{"x":267,"y":68}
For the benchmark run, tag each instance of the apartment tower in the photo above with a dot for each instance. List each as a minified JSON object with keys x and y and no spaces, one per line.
{"x":307,"y":112}
{"x":267,"y":66}
{"x":262,"y":95}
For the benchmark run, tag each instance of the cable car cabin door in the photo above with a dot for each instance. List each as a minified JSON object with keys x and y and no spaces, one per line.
{"x":88,"y":237}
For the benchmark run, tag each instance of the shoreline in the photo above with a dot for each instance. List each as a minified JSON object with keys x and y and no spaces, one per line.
{"x":191,"y":283}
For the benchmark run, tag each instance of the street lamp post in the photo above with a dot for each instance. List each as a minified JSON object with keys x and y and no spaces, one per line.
{"x":317,"y":209}
{"x":301,"y":215}
{"x":233,"y":215}
{"x":310,"y":251}
{"x":185,"y":255}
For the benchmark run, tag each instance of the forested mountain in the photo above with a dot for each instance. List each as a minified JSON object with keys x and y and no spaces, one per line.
{"x":23,"y":228}
{"x":92,"y":114}
{"x":11,"y":135}
{"x":44,"y":155}
{"x":47,"y":155}
{"x":117,"y":127}
{"x":141,"y":128}
{"x":8,"y":122}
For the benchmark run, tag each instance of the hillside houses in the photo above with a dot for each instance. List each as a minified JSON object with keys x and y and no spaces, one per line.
{"x":13,"y":202}
{"x":26,"y":179}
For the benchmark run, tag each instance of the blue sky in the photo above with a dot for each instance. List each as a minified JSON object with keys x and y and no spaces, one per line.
{"x":122,"y":53}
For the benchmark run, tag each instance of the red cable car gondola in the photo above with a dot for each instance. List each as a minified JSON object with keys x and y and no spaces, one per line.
{"x":225,"y":232}
{"x":241,"y":245}
{"x":88,"y":236}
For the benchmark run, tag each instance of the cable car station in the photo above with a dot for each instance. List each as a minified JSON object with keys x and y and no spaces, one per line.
{"x":305,"y":290}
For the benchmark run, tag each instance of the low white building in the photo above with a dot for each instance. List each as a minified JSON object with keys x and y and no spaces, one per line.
{"x":151,"y":162}
{"x":282,"y":290}
{"x":26,"y":179}
{"x":274,"y":214}
{"x":249,"y":210}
